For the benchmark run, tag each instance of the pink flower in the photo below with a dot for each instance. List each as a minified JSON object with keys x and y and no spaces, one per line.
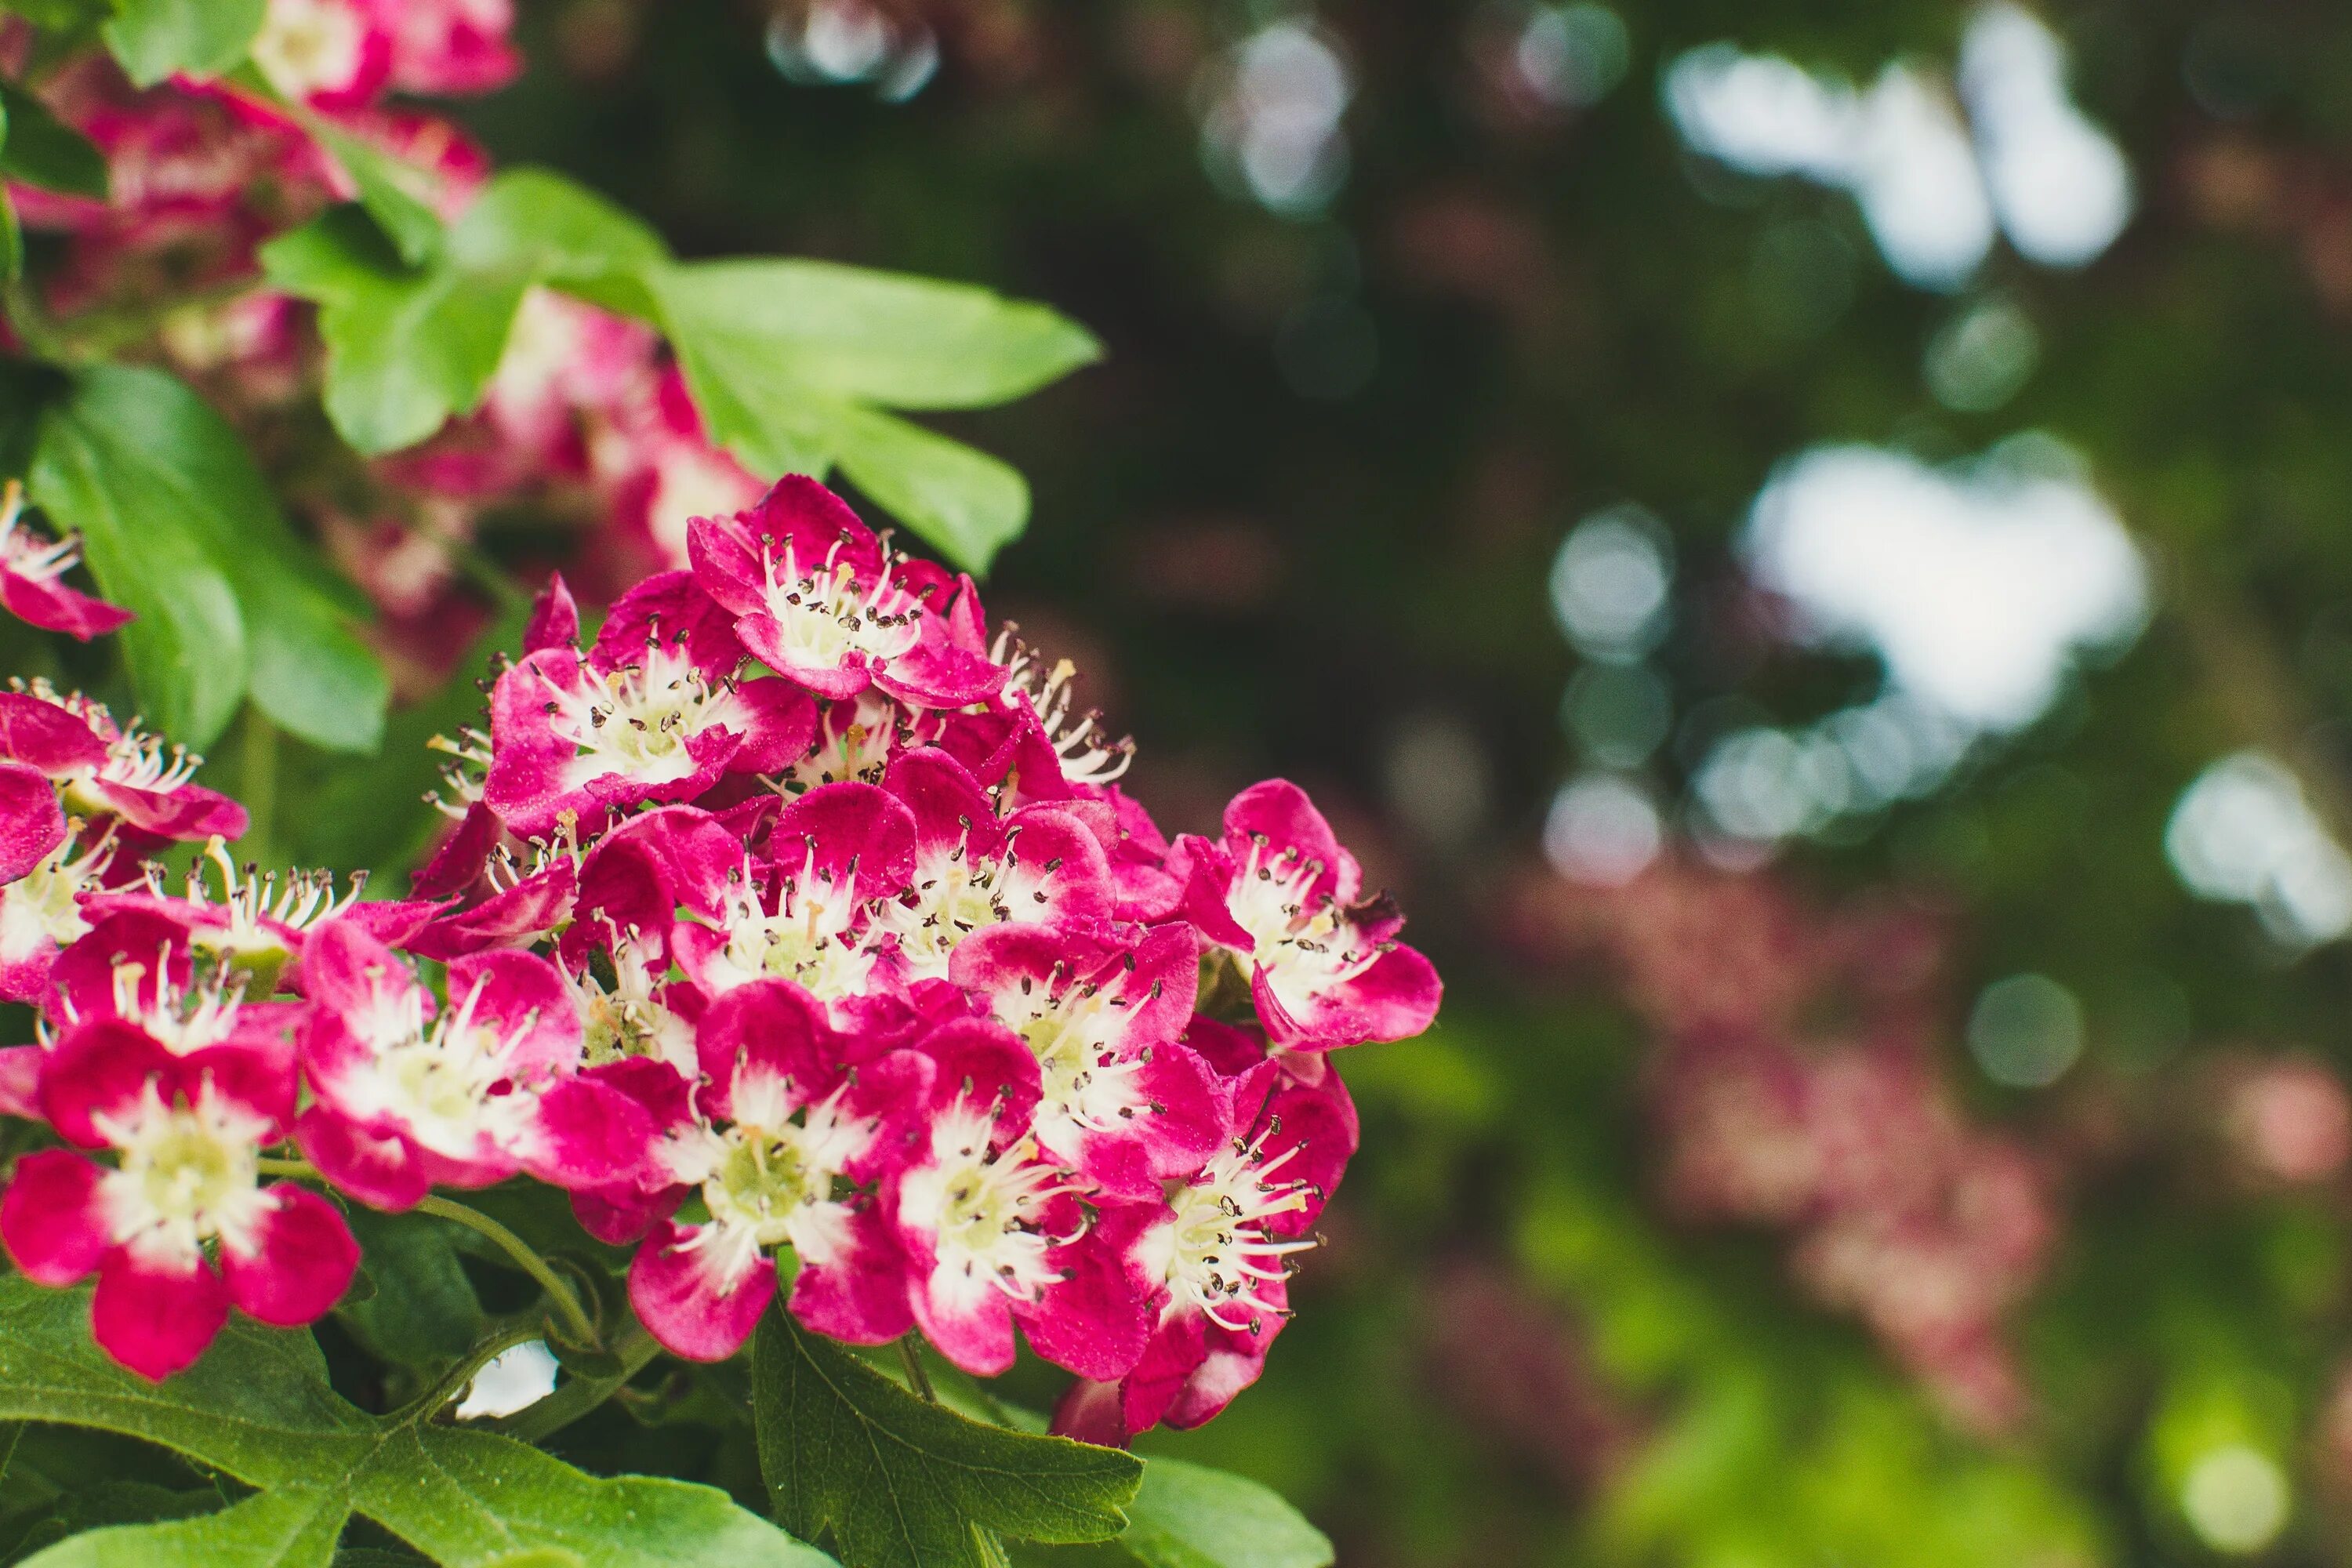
{"x":994,"y":1232}
{"x":1216,"y":1251}
{"x":181,"y":1228}
{"x":653,"y":712}
{"x":410,"y":1094}
{"x":1121,"y":1101}
{"x":41,"y":912}
{"x":781,"y":1124}
{"x":659,"y":471}
{"x":31,"y":568}
{"x":329,"y":54}
{"x":452,"y":46}
{"x":1039,"y":866}
{"x":807,"y":915}
{"x":105,"y":769}
{"x":1324,"y":964}
{"x":819,"y":598}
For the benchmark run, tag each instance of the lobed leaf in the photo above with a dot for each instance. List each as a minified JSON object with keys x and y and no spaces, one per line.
{"x":258,"y":1406}
{"x":903,"y":1483}
{"x":292,"y":1526}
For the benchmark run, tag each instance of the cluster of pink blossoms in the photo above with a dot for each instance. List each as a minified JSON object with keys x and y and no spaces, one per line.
{"x":586,"y":419}
{"x":1929,"y":1228}
{"x":791,"y":918}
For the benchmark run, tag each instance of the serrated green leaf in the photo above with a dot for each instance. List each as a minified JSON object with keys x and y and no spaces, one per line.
{"x":258,"y":1406}
{"x":902,"y":1483}
{"x":967,"y":504}
{"x":44,"y":151}
{"x":556,"y":230}
{"x":134,"y":455}
{"x":156,"y":38}
{"x":1189,"y":1516}
{"x":291,"y":1527}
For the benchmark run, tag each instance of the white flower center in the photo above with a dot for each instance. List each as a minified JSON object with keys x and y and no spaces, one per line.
{"x":1214,"y":1253}
{"x":188,"y":1173}
{"x":1305,"y":949}
{"x":1088,"y":754}
{"x":309,"y":45}
{"x":984,"y":1210}
{"x":1069,"y":1030}
{"x":769,"y":1179}
{"x":859,"y":748}
{"x":636,"y":720}
{"x":826,"y":614}
{"x":810,"y":939}
{"x":45,"y":904}
{"x":625,"y":1019}
{"x":449,"y":1081}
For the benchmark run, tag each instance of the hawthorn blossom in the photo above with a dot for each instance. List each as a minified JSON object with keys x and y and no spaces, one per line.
{"x":181,"y":1228}
{"x":1324,"y":964}
{"x":994,"y":1231}
{"x":781,"y":1123}
{"x":971,"y":870}
{"x":654,"y":711}
{"x":41,"y":912}
{"x":105,"y":769}
{"x":31,"y":573}
{"x":819,"y":598}
{"x":410,"y":1094}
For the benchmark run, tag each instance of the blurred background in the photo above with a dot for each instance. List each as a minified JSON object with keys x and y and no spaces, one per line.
{"x":1811,"y":545}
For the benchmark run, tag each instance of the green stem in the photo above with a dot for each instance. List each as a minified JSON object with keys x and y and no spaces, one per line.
{"x":257,"y":774}
{"x":458,"y":1378}
{"x":577,"y":1324}
{"x":917,"y":1378}
{"x":537,"y":1423}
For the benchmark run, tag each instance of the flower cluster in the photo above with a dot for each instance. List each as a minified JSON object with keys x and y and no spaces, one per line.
{"x":796,"y":927}
{"x":586,"y":418}
{"x":1929,"y":1229}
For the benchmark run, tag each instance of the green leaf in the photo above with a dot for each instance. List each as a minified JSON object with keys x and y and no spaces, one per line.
{"x":902,"y":1483}
{"x":393,"y":193}
{"x":187,"y":648}
{"x":160,"y":485}
{"x":783,"y":359}
{"x":157,"y":38}
{"x":1189,"y":1516}
{"x":258,"y":1406}
{"x":408,"y":346}
{"x":965,"y":502}
{"x":423,"y":1313}
{"x":882,"y":337}
{"x":44,"y":151}
{"x":292,"y":1526}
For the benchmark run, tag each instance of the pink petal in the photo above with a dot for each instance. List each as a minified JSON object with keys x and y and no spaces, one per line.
{"x":300,"y":1263}
{"x":155,"y":1320}
{"x":50,"y":1218}
{"x":53,"y":607}
{"x":586,"y":1135}
{"x":44,"y":735}
{"x":686,"y":1304}
{"x":382,"y":1171}
{"x":554,"y":617}
{"x":859,"y":1296}
{"x":32,"y":823}
{"x":977,"y":1336}
{"x":618,"y":1216}
{"x":20,"y":1081}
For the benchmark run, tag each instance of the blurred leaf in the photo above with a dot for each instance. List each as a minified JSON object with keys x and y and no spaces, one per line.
{"x":186,"y":650}
{"x":157,"y":38}
{"x":393,"y":193}
{"x":1189,"y":1516}
{"x":880,"y":337}
{"x":259,"y":1406}
{"x":42,"y":150}
{"x":783,"y":355}
{"x":903,"y":1483}
{"x":408,"y":346}
{"x":173,"y":506}
{"x":291,"y":1527}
